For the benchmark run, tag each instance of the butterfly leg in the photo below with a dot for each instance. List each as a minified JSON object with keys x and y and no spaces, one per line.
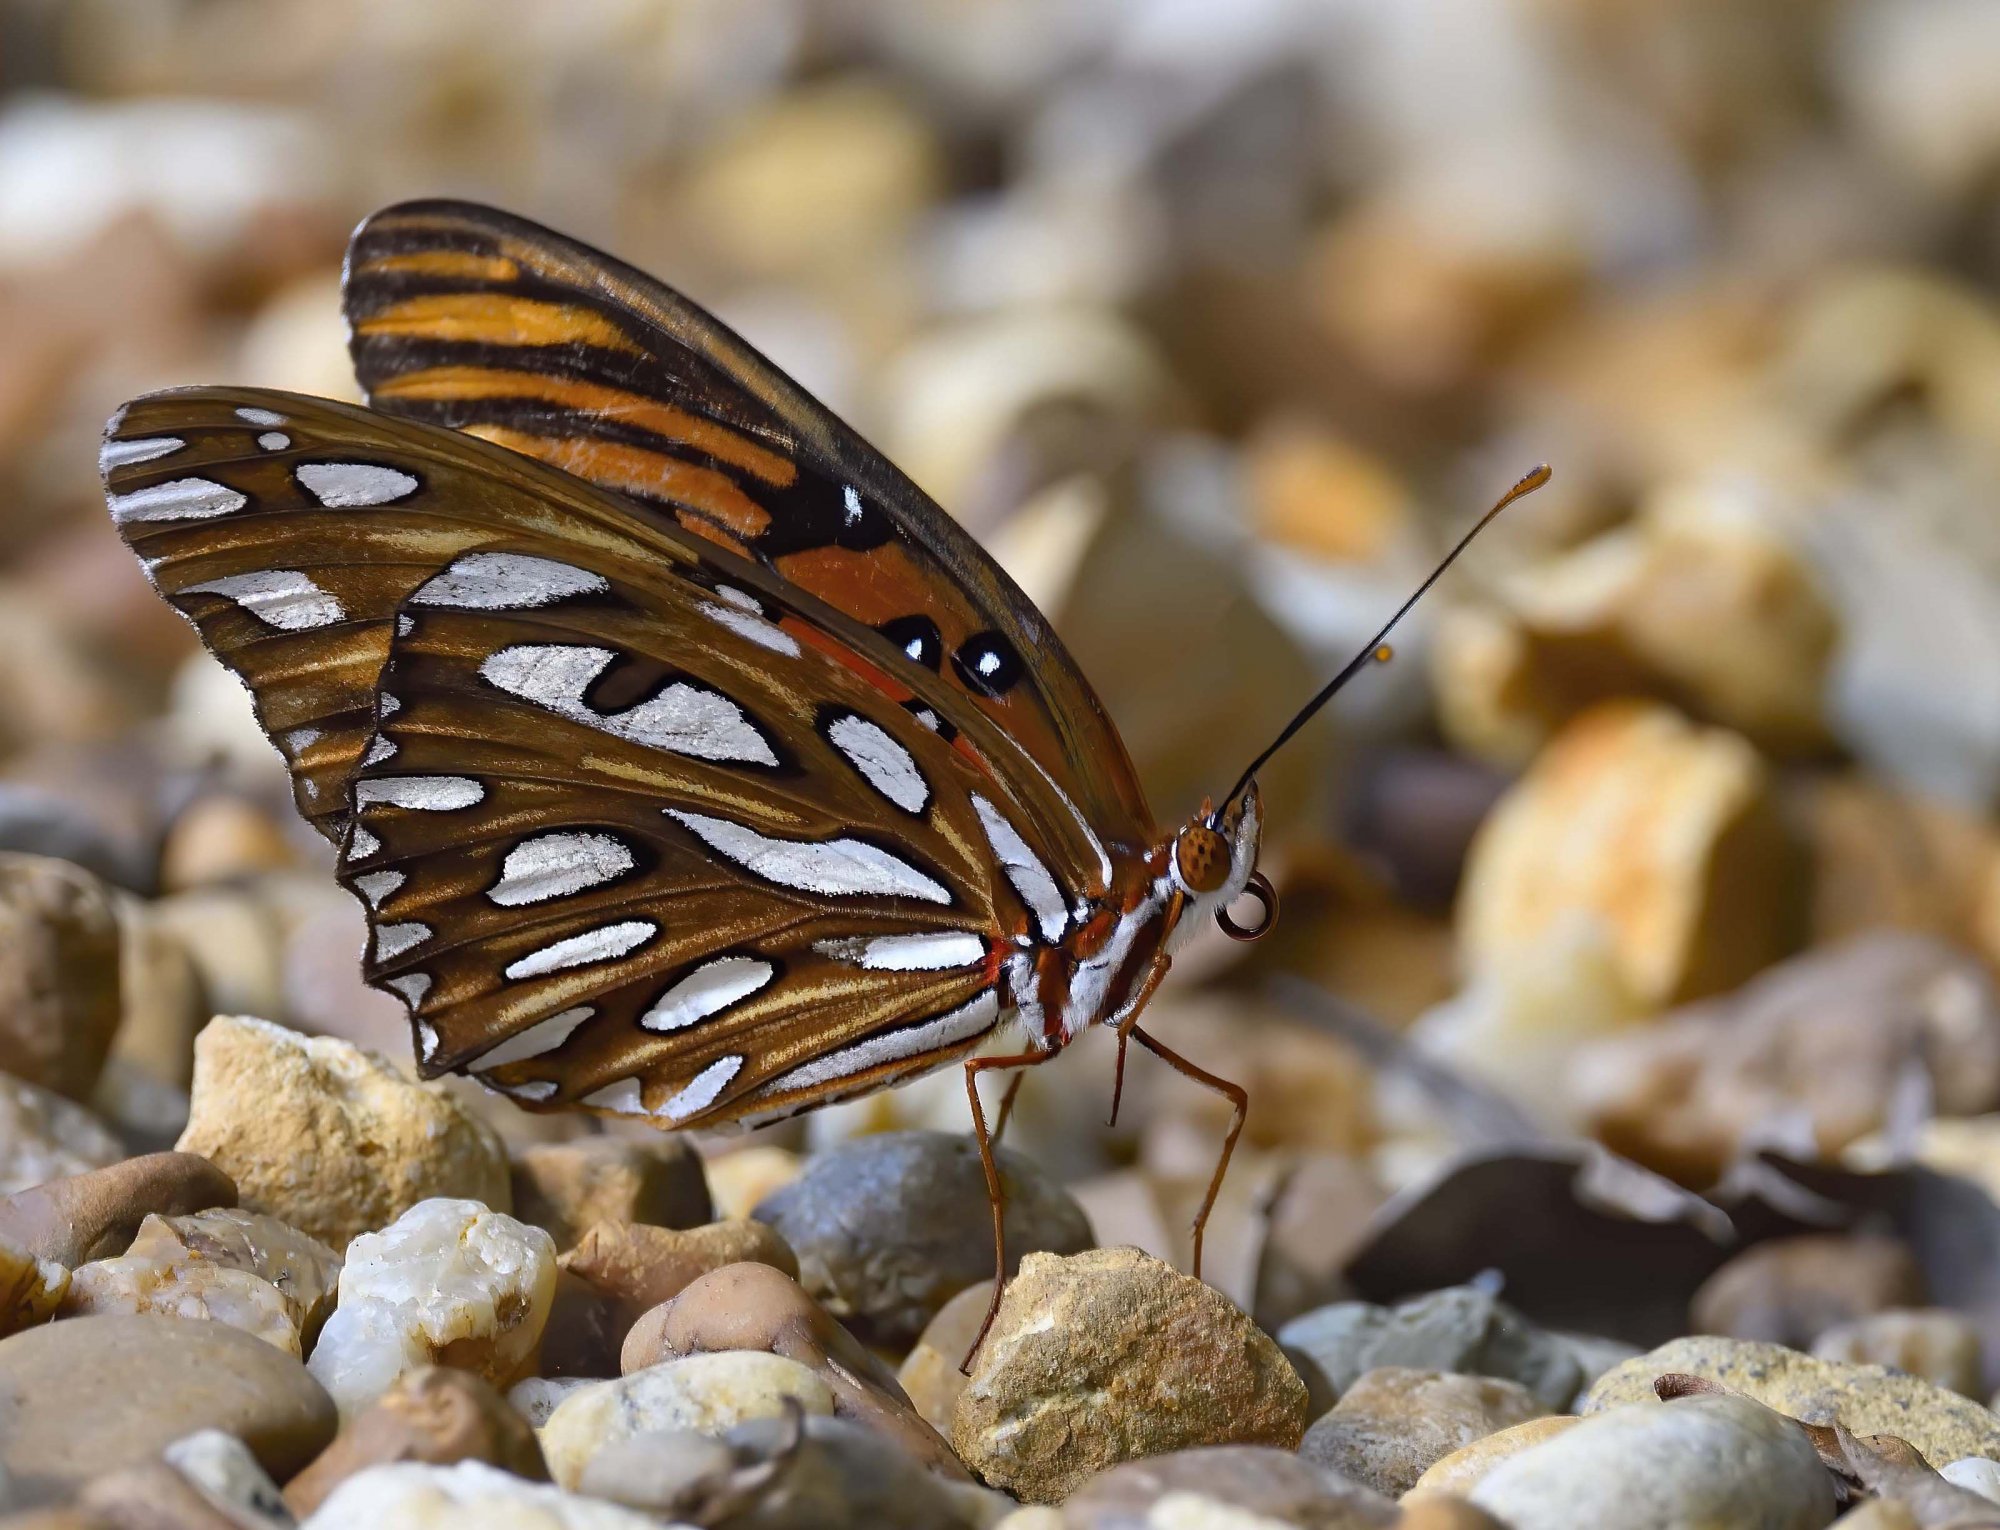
{"x":1129,"y":1024}
{"x":974,"y":1066}
{"x":1237,"y":1096}
{"x":1006,"y":1107}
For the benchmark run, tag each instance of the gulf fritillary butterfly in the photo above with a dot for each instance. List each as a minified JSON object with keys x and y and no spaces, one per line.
{"x":690,"y":763}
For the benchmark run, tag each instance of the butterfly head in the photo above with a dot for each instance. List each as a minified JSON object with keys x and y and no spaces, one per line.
{"x":1214,"y":863}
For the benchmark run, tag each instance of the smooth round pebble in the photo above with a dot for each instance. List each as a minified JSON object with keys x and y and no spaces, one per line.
{"x":536,"y":1397}
{"x":97,"y":1214}
{"x":930,"y":1374}
{"x":415,"y":1496}
{"x":1110,"y":1356}
{"x":890,"y":1227}
{"x":447,"y":1283}
{"x":1394,"y":1422}
{"x":1975,"y":1474}
{"x":566,"y":1187}
{"x":638,"y":1266}
{"x":1464,"y":1467}
{"x":1939,"y":1345}
{"x":128,"y":1386}
{"x":1666,"y":1466}
{"x":59,"y":941}
{"x":1241,"y":1484}
{"x":706,"y":1393}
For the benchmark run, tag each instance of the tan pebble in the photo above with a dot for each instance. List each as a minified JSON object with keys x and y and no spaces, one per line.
{"x":222,"y":838}
{"x":1789,"y":1290}
{"x":636,"y":1266}
{"x":565,"y":1187}
{"x":151,"y":1496}
{"x":1939,"y":1345}
{"x":755,"y":1307}
{"x":1461,"y":1470}
{"x":328,"y":1138}
{"x":59,"y":941}
{"x":30,"y":1288}
{"x":1247,"y":1486}
{"x":1435,"y":1511}
{"x":1394,"y":1423}
{"x":1111,"y":1355}
{"x":431,"y":1414}
{"x":236,"y":943}
{"x":739,"y":1180}
{"x":930,"y":1372}
{"x":97,"y":1214}
{"x":1879,"y":1514}
{"x":164,"y":1005}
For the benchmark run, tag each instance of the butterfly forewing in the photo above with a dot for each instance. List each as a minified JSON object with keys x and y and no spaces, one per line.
{"x":468,"y":317}
{"x":639,"y":825}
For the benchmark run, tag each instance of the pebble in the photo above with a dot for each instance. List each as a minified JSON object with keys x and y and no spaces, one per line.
{"x":164,"y":1004}
{"x":1940,"y":1346}
{"x":536,"y":1397}
{"x":566,"y":1187}
{"x":235,"y":941}
{"x":754,"y":1307}
{"x":328,"y":1138}
{"x":222,"y":837}
{"x":1109,"y":1356}
{"x":131,"y":1385}
{"x":1790,"y":1290}
{"x":841,"y":1477}
{"x":638,"y":1266}
{"x":1662,"y":1466}
{"x":1460,"y":1471}
{"x":230,"y":1266}
{"x":416,"y":1496}
{"x":1220,"y":1485}
{"x":1663,"y":833}
{"x":1461,"y":1328}
{"x":447,"y":1283}
{"x":1395,"y":1422}
{"x":930,"y":1375}
{"x":433,"y":1414}
{"x":30,"y":1290}
{"x":1942,"y":1425}
{"x":151,"y":1495}
{"x":44,"y":1136}
{"x":59,"y":1003}
{"x":222,"y":1470}
{"x":707,"y":1393}
{"x":889,"y":1228}
{"x":97,"y":1214}
{"x":1976,"y":1474}
{"x":584,"y":1329}
{"x":740,"y":1181}
{"x":1879,"y":1514}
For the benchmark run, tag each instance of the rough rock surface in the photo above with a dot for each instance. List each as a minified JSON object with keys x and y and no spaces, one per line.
{"x":565,"y":1187}
{"x":707,"y":1393}
{"x":1111,"y":1355}
{"x":329,"y":1138}
{"x":131,"y":1385}
{"x":44,"y":1136}
{"x":1394,"y":1423}
{"x":448,"y":1283}
{"x":890,"y":1227}
{"x":1942,"y":1425}
{"x":59,"y":941}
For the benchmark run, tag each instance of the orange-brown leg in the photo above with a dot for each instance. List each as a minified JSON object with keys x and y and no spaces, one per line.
{"x":1006,"y":1107}
{"x":1130,"y":1024}
{"x":1237,"y":1097}
{"x":974,"y":1066}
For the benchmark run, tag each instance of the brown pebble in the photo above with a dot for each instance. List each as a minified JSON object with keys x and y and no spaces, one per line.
{"x":1790,"y":1290}
{"x":59,"y":942}
{"x":567,"y":1187}
{"x":1435,"y":1511}
{"x":1395,"y":1422}
{"x":640,"y":1266}
{"x":434,"y":1415}
{"x":752,"y":1306}
{"x":95,"y":1215}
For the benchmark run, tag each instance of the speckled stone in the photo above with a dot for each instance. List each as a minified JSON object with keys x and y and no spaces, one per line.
{"x":1395,"y":1422}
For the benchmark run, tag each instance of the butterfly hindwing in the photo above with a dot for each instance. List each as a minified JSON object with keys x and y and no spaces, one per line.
{"x":471,"y":318}
{"x":639,"y":825}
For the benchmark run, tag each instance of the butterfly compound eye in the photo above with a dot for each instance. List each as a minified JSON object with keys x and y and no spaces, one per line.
{"x":1201,"y":856}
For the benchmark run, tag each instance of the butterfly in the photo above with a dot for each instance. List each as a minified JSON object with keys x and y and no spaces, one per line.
{"x":690,"y":763}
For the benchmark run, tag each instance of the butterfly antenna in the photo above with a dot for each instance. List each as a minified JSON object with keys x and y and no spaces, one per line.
{"x":1375,"y":650}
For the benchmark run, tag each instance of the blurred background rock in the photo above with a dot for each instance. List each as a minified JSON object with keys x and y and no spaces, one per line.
{"x":1215,"y":319}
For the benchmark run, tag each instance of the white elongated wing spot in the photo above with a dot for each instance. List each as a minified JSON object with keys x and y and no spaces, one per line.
{"x":114,"y":454}
{"x":885,"y":764}
{"x":763,"y":633}
{"x":377,"y":885}
{"x":831,"y":868}
{"x":507,"y":582}
{"x":908,"y":953}
{"x":392,"y":940}
{"x":702,"y":1089}
{"x":557,"y":865}
{"x":708,"y":990}
{"x":1024,"y":869}
{"x":681,"y":719}
{"x":284,"y":598}
{"x":182,"y":499}
{"x":534,"y":1089}
{"x":262,"y":417}
{"x":543,"y":1036}
{"x":347,"y":485}
{"x":961,"y":1025}
{"x":600,"y":945}
{"x":424,"y":794}
{"x":622,"y":1096}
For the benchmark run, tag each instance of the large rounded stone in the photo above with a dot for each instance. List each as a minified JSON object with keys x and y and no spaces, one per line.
{"x":91,"y":1394}
{"x":329,"y":1138}
{"x":1663,"y":1466}
{"x":1394,"y":1423}
{"x":1109,"y":1356}
{"x":59,"y":944}
{"x":889,"y":1228}
{"x":1868,"y":1399}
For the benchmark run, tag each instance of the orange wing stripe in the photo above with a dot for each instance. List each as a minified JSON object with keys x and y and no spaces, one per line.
{"x":632,"y":468}
{"x":494,"y":318}
{"x":464,"y":264}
